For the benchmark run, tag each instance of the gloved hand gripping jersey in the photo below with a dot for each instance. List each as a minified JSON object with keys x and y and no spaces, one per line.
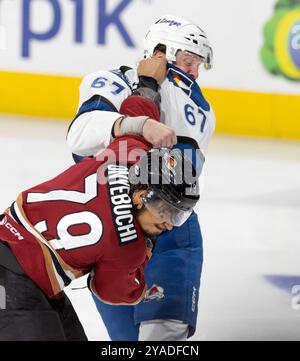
{"x":152,"y":72}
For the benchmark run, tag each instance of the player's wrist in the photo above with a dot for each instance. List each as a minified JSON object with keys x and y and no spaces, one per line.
{"x":132,"y":125}
{"x":148,"y":82}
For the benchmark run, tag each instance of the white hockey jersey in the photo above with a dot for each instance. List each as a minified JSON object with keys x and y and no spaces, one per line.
{"x":183,"y":107}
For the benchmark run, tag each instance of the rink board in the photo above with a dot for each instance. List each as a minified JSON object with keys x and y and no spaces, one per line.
{"x":238,"y":112}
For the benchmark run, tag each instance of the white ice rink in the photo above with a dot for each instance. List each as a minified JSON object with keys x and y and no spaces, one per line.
{"x":250,"y":218}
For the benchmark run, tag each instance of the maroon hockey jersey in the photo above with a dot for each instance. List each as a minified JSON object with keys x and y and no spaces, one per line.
{"x":77,"y":224}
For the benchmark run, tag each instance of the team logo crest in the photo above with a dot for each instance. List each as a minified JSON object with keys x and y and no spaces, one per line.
{"x":280,"y":53}
{"x":154,"y":293}
{"x":180,"y":83}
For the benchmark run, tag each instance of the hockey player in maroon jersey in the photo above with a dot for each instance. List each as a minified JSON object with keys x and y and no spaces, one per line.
{"x":77,"y":224}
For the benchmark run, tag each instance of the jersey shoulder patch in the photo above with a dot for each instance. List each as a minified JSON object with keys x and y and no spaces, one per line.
{"x":188,"y":86}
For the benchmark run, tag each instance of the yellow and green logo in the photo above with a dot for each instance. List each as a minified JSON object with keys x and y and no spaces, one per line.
{"x":280,"y":53}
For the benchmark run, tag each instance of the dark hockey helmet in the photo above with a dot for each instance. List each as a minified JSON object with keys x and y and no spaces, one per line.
{"x":172,"y":183}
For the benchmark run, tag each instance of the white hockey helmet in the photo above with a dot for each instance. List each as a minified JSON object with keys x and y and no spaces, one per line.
{"x":178,"y":34}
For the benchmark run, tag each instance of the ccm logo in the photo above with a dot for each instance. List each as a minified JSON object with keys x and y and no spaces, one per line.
{"x":14,"y":231}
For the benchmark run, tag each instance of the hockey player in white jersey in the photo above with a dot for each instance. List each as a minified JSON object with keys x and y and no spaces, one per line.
{"x":169,"y":309}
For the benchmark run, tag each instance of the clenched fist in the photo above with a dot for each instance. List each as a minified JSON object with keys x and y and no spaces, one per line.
{"x":155,"y":68}
{"x":158,"y":134}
